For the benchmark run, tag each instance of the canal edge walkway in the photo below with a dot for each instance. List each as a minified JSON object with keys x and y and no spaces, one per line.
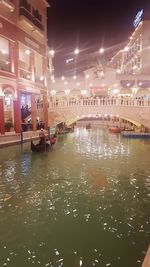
{"x":12,"y":138}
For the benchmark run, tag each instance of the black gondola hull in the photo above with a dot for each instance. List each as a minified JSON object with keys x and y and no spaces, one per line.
{"x":39,"y":147}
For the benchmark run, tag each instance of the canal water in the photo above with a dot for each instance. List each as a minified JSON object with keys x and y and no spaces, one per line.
{"x":85,"y":203}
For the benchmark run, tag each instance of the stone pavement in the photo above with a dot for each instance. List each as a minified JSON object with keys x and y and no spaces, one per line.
{"x":11,"y":138}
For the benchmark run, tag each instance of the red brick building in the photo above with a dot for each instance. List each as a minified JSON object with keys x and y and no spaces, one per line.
{"x":23,"y":65}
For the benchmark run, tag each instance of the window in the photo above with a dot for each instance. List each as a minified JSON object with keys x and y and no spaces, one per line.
{"x":4,"y":54}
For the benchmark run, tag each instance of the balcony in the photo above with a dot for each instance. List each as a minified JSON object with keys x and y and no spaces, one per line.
{"x":39,"y":79}
{"x":24,"y":74}
{"x":4,"y":65}
{"x":27,"y":18}
{"x":8,"y":4}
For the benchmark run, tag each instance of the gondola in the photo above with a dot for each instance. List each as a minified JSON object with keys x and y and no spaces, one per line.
{"x":114,"y":130}
{"x":39,"y":147}
{"x":88,"y":126}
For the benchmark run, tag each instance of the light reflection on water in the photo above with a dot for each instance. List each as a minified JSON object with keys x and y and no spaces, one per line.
{"x":86,"y":203}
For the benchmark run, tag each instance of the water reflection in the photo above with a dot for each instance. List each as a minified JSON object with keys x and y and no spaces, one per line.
{"x":100,"y":144}
{"x":86,"y":203}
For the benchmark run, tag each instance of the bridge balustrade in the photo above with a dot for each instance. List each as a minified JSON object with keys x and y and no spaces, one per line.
{"x":98,"y":102}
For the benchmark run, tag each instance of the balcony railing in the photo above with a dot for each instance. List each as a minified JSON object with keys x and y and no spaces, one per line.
{"x":95,"y":102}
{"x":39,"y":80}
{"x":8,"y":3}
{"x":24,"y":12}
{"x":25,"y":74}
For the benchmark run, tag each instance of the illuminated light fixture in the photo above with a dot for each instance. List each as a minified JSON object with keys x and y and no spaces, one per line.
{"x":76,"y":51}
{"x":52,"y":52}
{"x":140,"y":83}
{"x":90,"y":84}
{"x":41,"y":78}
{"x":67,"y":92}
{"x":103,"y":85}
{"x":3,"y":51}
{"x":69,"y":60}
{"x":78,"y":84}
{"x":77,"y":117}
{"x":53,"y":92}
{"x":138,"y":18}
{"x":53,"y":81}
{"x":118,"y":71}
{"x":28,"y":52}
{"x":115,"y":91}
{"x":28,"y":76}
{"x":62,"y":77}
{"x":7,"y":62}
{"x":126,"y":49}
{"x":83,"y":92}
{"x":65,"y":83}
{"x":87,"y":76}
{"x":102,"y":73}
{"x":134,"y":67}
{"x":101,"y":51}
{"x":128,"y":84}
{"x":83,"y":116}
{"x":52,"y":78}
{"x":74,"y":77}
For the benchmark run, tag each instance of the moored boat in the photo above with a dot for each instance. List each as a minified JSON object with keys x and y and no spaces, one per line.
{"x":115,"y":130}
{"x":88,"y":126}
{"x":135,"y":135}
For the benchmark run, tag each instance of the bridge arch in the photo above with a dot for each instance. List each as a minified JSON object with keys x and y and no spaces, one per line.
{"x":70,"y":113}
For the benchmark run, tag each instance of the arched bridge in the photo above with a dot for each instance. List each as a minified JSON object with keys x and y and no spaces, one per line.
{"x":136,"y":111}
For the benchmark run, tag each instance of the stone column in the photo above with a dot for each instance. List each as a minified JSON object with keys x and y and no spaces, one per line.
{"x":33,"y":112}
{"x":45,"y":110}
{"x":17,"y":114}
{"x":12,"y":56}
{"x":32,"y":69}
{"x":2,"y":121}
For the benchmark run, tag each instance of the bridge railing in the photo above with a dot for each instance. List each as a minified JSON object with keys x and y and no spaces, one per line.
{"x":98,"y":102}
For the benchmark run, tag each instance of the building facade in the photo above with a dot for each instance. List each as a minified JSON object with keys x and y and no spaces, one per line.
{"x":132,"y":63}
{"x":24,"y":65}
